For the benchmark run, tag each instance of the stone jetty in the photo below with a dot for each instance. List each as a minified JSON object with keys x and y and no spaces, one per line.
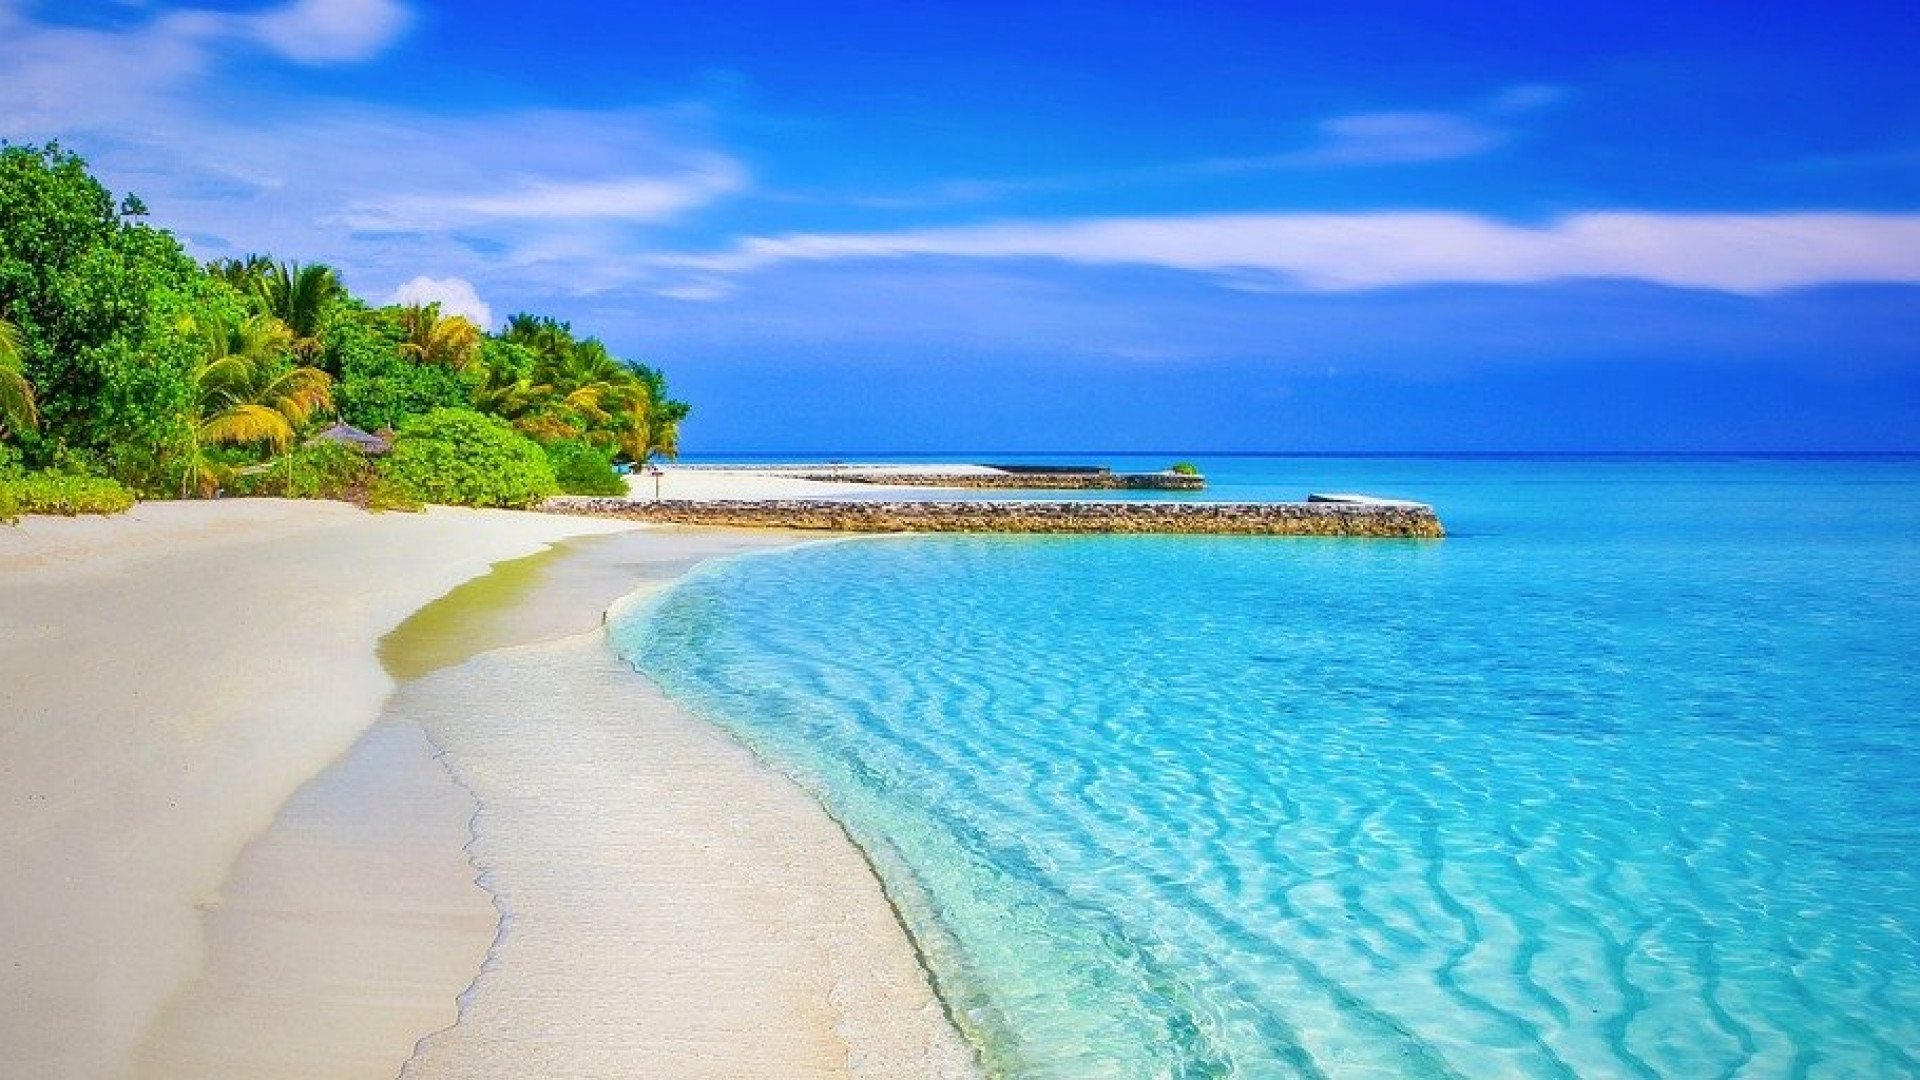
{"x":1385,"y":519}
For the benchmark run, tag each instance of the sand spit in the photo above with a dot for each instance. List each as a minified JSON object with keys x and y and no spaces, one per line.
{"x":168,"y":679}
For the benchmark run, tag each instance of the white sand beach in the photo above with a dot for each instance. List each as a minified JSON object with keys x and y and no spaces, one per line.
{"x":226,"y":860}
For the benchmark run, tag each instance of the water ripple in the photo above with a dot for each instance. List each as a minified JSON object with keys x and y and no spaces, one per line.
{"x":1636,"y":804}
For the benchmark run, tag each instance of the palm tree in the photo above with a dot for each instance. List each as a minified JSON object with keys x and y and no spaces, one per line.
{"x":299,"y":296}
{"x":18,"y":412}
{"x":546,"y":336}
{"x":583,"y":391}
{"x":663,"y":415}
{"x":589,"y":382}
{"x":242,"y":274}
{"x":506,"y":394}
{"x":448,"y":341}
{"x":296,"y":294}
{"x":578,"y":390}
{"x":247,"y":393}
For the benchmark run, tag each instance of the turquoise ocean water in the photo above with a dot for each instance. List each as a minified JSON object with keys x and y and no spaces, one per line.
{"x":1620,"y":780}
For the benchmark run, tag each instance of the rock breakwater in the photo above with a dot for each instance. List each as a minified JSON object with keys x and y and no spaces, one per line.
{"x":1385,"y":520}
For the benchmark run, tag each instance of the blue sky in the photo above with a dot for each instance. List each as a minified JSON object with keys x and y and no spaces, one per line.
{"x":1229,"y":226}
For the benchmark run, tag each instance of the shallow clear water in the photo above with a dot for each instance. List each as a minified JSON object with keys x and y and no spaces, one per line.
{"x":1621,"y":780}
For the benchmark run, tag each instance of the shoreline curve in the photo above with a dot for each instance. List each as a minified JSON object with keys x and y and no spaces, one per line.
{"x":789,"y":895}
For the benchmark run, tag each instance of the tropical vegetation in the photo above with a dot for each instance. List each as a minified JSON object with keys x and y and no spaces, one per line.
{"x":463,"y":457}
{"x":55,"y":493}
{"x":127,"y":366}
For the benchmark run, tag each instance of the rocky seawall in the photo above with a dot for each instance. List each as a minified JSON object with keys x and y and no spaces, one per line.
{"x":1385,"y":520}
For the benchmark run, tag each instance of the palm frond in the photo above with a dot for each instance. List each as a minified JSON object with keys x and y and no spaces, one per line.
{"x":450,"y":341}
{"x":298,"y":393}
{"x":12,"y":348}
{"x":247,"y":424}
{"x":18,"y":409}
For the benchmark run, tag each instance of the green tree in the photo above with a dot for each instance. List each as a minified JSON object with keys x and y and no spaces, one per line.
{"x":576,"y":389}
{"x":591,"y":392}
{"x":379,"y":387}
{"x":546,"y":337}
{"x":120,"y":354}
{"x":249,"y":393}
{"x":79,"y":285}
{"x":664,"y":414}
{"x":17,"y":411}
{"x":461,"y":457}
{"x":448,"y":341}
{"x":299,"y":295}
{"x":581,"y":469}
{"x":241,"y":275}
{"x":505,"y":379}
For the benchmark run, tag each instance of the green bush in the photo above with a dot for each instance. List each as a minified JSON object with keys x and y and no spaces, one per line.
{"x":324,"y":470}
{"x":58,"y":493}
{"x":379,"y":388}
{"x":459,"y":457}
{"x":582,"y":469}
{"x":1184,"y":468}
{"x":384,"y":494}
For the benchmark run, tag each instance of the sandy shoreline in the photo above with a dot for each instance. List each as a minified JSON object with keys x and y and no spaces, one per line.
{"x":190,"y":870}
{"x":170,"y":677}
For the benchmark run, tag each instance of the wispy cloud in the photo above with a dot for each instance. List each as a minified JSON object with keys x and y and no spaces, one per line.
{"x":548,"y":199}
{"x":67,"y":74}
{"x":325,"y":31}
{"x":1390,"y":138}
{"x":1407,"y":136}
{"x":1751,"y":253}
{"x":1350,"y":140}
{"x":642,"y":199}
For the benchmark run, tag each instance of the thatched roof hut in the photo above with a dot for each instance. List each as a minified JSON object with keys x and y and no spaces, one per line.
{"x":352,"y":436}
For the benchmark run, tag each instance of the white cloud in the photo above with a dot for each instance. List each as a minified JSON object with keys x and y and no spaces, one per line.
{"x":1526,"y":98}
{"x":645,"y":199}
{"x":542,"y":201}
{"x":325,"y":31}
{"x":1750,"y":253}
{"x":1392,"y":138}
{"x":456,"y":296}
{"x":1351,"y":140}
{"x":62,"y":78}
{"x":698,"y":290}
{"x":1405,"y":137}
{"x":66,"y":77}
